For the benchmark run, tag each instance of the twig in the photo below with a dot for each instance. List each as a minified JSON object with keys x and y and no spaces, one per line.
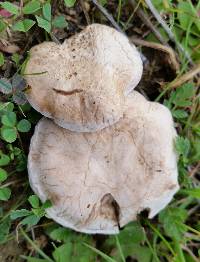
{"x":43,"y":225}
{"x":33,"y":234}
{"x":167,"y":30}
{"x":193,"y":210}
{"x":54,"y":38}
{"x":119,"y":10}
{"x":147,"y":22}
{"x":54,"y":6}
{"x":194,"y":170}
{"x":192,"y":244}
{"x":6,"y":47}
{"x":178,"y":82}
{"x":131,"y":16}
{"x":20,"y":141}
{"x":12,"y":182}
{"x":35,"y":246}
{"x":21,"y":3}
{"x":85,"y":12}
{"x":186,"y":77}
{"x":107,"y":15}
{"x":190,"y":253}
{"x":168,"y":50}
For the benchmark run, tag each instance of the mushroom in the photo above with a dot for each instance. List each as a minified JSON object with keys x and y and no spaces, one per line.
{"x":98,"y":182}
{"x":81,"y":84}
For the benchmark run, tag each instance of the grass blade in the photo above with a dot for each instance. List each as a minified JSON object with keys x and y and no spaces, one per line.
{"x":35,"y":246}
{"x":120,"y":249}
{"x":100,"y":253}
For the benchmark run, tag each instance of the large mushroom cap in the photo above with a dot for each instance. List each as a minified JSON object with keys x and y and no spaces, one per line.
{"x":81,"y":84}
{"x":100,"y":181}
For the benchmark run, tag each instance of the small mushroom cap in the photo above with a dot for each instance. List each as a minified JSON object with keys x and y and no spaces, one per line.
{"x":100,"y":181}
{"x":81,"y":84}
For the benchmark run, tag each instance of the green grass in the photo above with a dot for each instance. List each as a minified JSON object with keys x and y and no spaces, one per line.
{"x":174,"y":235}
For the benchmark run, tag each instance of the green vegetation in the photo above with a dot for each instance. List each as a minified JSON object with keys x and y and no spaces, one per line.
{"x":174,"y":235}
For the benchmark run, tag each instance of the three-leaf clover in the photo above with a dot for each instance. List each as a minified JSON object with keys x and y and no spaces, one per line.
{"x":15,"y":87}
{"x":10,"y":127}
{"x":46,"y":22}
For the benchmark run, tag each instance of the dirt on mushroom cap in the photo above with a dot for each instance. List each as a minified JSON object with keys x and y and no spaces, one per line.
{"x":81,"y":84}
{"x":100,"y":181}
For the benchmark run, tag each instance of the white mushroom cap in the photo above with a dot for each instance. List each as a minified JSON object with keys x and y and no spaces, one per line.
{"x":82,"y":82}
{"x":100,"y":181}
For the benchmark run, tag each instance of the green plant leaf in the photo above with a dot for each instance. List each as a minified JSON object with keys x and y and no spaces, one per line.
{"x":100,"y":253}
{"x":1,"y":59}
{"x":13,"y":9}
{"x":63,"y":253}
{"x":24,"y":125}
{"x":5,"y":86}
{"x":24,"y":25}
{"x":132,"y":233}
{"x":26,"y":108}
{"x":130,"y":238}
{"x":31,"y":7}
{"x":4,"y":160}
{"x":5,"y":107}
{"x":103,"y":2}
{"x":139,"y":252}
{"x":9,"y":119}
{"x":16,"y":59}
{"x":179,"y":114}
{"x":3,"y":175}
{"x":59,"y":22}
{"x":195,"y":192}
{"x":182,"y":146}
{"x":70,"y":3}
{"x":187,"y":14}
{"x":17,"y":151}
{"x":5,"y":193}
{"x":46,"y":10}
{"x":78,"y":246}
{"x":46,"y":25}
{"x":19,"y":213}
{"x":196,"y":149}
{"x":39,"y":212}
{"x":22,"y":163}
{"x":193,"y":41}
{"x":2,"y":26}
{"x":4,"y":229}
{"x":34,"y":201}
{"x":173,"y":221}
{"x":60,"y":234}
{"x":183,"y":95}
{"x":31,"y":220}
{"x":47,"y":204}
{"x":9,"y":134}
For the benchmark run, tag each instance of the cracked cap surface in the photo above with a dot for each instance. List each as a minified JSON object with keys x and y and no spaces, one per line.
{"x":81,"y":84}
{"x":100,"y":181}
